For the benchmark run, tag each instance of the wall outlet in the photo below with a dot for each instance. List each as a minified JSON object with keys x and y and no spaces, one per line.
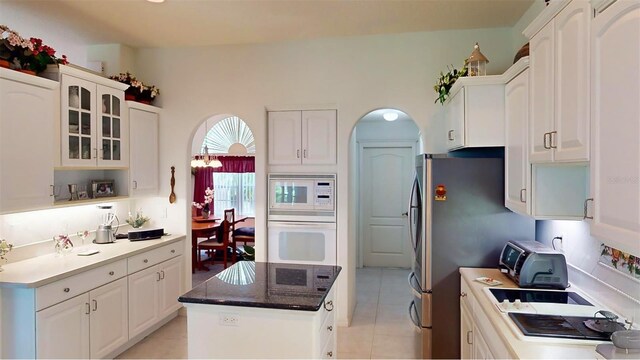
{"x":228,"y":319}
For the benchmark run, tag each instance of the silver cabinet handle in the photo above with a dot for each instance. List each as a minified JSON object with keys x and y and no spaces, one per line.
{"x":95,"y":304}
{"x":328,"y":305}
{"x":551,"y":138}
{"x":158,"y":273}
{"x":52,"y":192}
{"x":298,"y":153}
{"x":330,"y":328}
{"x":135,"y":184}
{"x":88,"y":308}
{"x":95,"y":153}
{"x":544,"y":141}
{"x":330,"y":353}
{"x":304,"y":153}
{"x":410,"y":218}
{"x":112,"y":273}
{"x":145,"y":261}
{"x":162,"y":274}
{"x":463,"y":294}
{"x":450,"y":135}
{"x":173,"y":251}
{"x":523,"y":195}
{"x":66,"y":290}
{"x":470,"y":337}
{"x":586,"y":210}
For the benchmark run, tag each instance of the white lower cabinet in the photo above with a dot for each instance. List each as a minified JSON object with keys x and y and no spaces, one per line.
{"x":153,"y":294}
{"x":480,"y":347}
{"x":466,"y":332}
{"x":90,"y":325}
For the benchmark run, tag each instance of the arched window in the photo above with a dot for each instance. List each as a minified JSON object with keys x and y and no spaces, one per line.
{"x":232,"y":140}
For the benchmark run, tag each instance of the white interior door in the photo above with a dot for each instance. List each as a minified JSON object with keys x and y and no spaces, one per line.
{"x":386,"y":174}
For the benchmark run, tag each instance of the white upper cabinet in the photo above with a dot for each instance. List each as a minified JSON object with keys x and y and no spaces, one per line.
{"x":302,"y":137}
{"x":143,"y":120}
{"x":615,"y":120}
{"x":27,"y":120}
{"x":94,"y":126}
{"x":516,"y":155}
{"x":475,"y":112}
{"x":559,"y":55}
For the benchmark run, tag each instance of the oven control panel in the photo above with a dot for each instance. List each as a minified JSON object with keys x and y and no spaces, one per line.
{"x":324,"y":194}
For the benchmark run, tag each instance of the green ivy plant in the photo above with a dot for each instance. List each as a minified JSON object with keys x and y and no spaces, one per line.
{"x":446,"y":81}
{"x":249,"y":253}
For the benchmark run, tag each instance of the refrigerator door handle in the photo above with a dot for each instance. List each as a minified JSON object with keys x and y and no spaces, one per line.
{"x":415,"y":289}
{"x":412,"y":311}
{"x":410,"y":211}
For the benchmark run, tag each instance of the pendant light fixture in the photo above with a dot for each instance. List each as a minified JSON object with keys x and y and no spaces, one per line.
{"x":204,"y":159}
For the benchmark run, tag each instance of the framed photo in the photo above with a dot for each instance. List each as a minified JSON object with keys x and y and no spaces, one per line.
{"x":83,"y":195}
{"x":102,"y":188}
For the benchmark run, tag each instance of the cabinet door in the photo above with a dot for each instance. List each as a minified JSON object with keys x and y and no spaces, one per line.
{"x":615,"y":115}
{"x":466,"y":333}
{"x":26,"y":142}
{"x":170,"y":286}
{"x":144,"y":152}
{"x":480,"y":347}
{"x":62,"y":330}
{"x":113,"y":128}
{"x":78,"y":121}
{"x":456,"y":118}
{"x":571,"y":140}
{"x":516,"y":155}
{"x":541,"y":60}
{"x":108,"y":327}
{"x":319,"y":137}
{"x":285,"y":141}
{"x":143,"y":300}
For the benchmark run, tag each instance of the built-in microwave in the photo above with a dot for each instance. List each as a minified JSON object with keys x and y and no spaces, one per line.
{"x":302,"y":197}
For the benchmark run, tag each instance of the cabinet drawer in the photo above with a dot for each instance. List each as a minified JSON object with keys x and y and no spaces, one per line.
{"x":150,"y":258}
{"x":75,"y":285}
{"x":328,"y":329}
{"x":329,"y":350}
{"x":465,"y":294}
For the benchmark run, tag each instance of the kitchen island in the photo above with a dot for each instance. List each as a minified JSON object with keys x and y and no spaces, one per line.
{"x":263,"y":310}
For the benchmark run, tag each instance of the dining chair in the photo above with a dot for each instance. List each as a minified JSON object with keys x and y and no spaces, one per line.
{"x":220,"y":242}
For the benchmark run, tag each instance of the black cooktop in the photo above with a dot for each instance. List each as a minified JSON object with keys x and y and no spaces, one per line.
{"x":546,"y":296}
{"x":569,"y":327}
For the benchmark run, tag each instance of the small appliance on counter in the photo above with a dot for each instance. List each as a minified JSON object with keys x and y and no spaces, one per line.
{"x":145,"y":234}
{"x":105,"y":233}
{"x":531,"y":264}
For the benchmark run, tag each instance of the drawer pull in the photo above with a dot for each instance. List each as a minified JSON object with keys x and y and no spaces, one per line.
{"x":111,"y":273}
{"x":328,"y":305}
{"x":145,"y":261}
{"x":470,"y":337}
{"x":330,"y":353}
{"x":161,"y":274}
{"x":330,"y":328}
{"x":463,"y":294}
{"x":173,"y":251}
{"x":159,"y":278}
{"x":66,"y":290}
{"x":88,"y":308}
{"x":95,"y":305}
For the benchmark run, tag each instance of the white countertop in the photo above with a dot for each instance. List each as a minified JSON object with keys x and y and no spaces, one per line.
{"x":45,"y":269}
{"x":533,"y":348}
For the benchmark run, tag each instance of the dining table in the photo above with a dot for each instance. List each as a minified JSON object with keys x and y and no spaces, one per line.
{"x":204,"y":228}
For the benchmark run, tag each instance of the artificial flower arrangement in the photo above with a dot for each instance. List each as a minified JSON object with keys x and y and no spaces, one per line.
{"x":137,"y":90}
{"x":26,"y":54}
{"x":138,"y":220}
{"x":446,"y":81}
{"x":5,"y":248}
{"x":208,"y":199}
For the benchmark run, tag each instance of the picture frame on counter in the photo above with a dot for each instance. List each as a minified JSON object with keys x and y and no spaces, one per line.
{"x":83,"y":195}
{"x":102,"y":188}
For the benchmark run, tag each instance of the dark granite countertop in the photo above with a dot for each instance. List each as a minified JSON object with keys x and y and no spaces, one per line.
{"x":267,"y":285}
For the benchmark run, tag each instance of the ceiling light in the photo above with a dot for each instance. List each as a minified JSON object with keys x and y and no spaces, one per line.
{"x":204,"y":159}
{"x":156,"y":1}
{"x":390,"y":116}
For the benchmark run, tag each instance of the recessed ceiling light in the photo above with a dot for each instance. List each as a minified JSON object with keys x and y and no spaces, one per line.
{"x":156,"y":1}
{"x":390,"y":116}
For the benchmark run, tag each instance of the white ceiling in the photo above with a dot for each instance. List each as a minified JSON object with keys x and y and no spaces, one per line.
{"x":174,"y":23}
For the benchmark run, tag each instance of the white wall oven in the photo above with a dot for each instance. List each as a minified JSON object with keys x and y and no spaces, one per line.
{"x":302,"y":219}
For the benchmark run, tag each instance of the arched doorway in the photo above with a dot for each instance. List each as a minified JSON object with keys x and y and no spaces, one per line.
{"x":222,"y":160}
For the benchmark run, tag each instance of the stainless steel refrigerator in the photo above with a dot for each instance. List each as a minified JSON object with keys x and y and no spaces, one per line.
{"x":457,"y":219}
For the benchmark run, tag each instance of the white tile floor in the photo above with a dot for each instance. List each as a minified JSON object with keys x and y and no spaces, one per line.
{"x":380,"y":329}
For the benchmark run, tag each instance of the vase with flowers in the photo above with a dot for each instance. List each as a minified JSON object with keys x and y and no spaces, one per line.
{"x":137,"y":91}
{"x":138,"y":220}
{"x":5,"y":248}
{"x":27,"y":55}
{"x":205,"y":206}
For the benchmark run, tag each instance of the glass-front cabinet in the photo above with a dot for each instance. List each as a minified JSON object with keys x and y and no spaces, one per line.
{"x":94,"y":125}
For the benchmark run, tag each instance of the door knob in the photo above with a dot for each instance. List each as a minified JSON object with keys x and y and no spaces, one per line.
{"x":406,"y":213}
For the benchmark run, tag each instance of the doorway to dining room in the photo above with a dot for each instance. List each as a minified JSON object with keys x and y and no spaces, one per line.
{"x":223,"y":178}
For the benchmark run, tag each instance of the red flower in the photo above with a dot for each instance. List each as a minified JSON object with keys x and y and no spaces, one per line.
{"x":49,"y":50}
